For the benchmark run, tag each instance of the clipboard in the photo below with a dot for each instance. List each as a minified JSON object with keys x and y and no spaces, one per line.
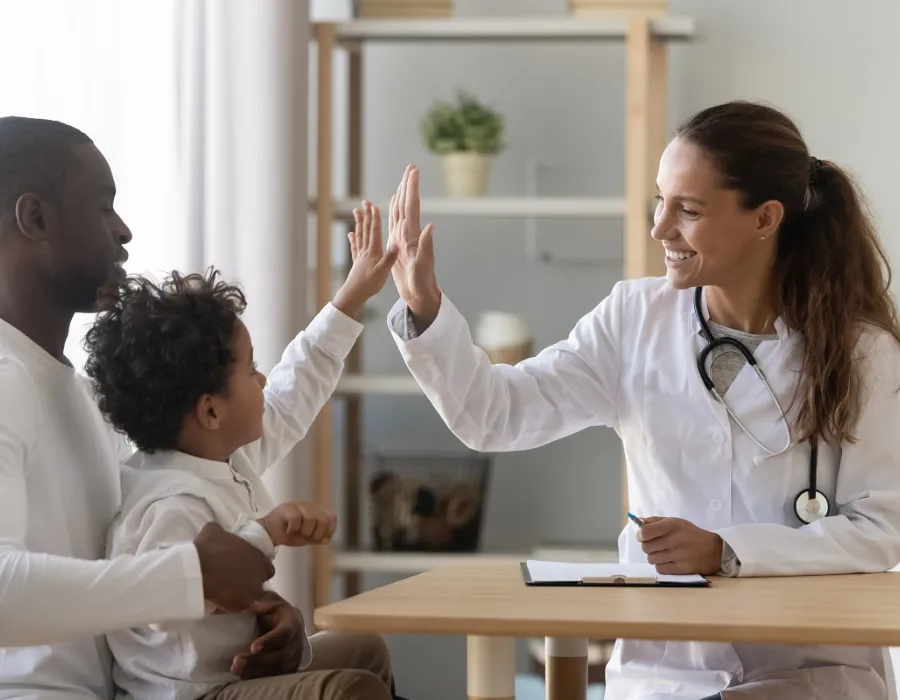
{"x":544,"y":573}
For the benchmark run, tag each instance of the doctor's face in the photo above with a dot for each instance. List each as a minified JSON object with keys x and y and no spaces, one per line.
{"x":710,"y":238}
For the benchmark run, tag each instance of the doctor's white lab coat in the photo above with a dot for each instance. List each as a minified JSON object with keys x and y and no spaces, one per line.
{"x":630,"y":364}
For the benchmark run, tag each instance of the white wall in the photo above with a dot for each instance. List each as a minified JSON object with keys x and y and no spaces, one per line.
{"x":830,"y":64}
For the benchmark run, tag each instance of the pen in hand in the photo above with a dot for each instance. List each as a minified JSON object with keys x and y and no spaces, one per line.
{"x":636,"y":520}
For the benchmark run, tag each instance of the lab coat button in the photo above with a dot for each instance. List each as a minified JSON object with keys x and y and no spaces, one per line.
{"x":715,"y":504}
{"x":718,"y":438}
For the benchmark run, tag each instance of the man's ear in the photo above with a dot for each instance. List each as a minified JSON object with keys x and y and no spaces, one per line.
{"x":34,"y":217}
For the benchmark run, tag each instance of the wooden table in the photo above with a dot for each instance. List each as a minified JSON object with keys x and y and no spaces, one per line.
{"x":491,"y":605}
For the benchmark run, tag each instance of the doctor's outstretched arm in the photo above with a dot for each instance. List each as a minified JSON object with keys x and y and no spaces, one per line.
{"x":569,"y":386}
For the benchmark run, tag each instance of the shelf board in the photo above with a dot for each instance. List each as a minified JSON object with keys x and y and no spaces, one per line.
{"x":508,"y":29}
{"x":549,"y":207}
{"x":417,"y":562}
{"x":403,"y":385}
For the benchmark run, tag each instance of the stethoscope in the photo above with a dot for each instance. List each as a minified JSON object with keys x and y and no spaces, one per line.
{"x":810,"y":504}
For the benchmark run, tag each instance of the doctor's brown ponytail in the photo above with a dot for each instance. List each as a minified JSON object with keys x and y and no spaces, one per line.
{"x":832,"y":273}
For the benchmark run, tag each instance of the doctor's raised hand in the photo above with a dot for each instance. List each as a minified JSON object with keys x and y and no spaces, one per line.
{"x":414,"y":270}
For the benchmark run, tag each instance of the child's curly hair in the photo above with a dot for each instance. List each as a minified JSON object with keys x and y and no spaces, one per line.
{"x":157,"y":348}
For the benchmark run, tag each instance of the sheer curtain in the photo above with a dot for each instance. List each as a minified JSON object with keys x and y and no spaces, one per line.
{"x":200,"y":106}
{"x":242,"y":128}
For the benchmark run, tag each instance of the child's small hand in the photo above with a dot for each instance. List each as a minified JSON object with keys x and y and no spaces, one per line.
{"x":299,"y":523}
{"x":371,"y":262}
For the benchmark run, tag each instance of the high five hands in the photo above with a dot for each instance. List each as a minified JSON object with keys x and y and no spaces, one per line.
{"x":409,"y":255}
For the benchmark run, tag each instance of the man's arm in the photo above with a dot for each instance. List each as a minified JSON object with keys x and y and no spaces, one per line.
{"x":168,"y":522}
{"x":46,"y":598}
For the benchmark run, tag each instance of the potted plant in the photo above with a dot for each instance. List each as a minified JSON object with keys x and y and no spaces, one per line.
{"x":465,"y":136}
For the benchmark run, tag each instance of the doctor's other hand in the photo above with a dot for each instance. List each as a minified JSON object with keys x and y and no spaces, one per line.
{"x":371,"y":262}
{"x":676,"y":546}
{"x":414,"y":270}
{"x":299,"y":523}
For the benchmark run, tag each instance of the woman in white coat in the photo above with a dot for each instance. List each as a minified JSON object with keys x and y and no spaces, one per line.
{"x":765,"y":245}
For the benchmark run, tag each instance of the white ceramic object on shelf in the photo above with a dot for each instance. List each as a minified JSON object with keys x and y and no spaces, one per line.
{"x":506,"y":338}
{"x":466,"y":174}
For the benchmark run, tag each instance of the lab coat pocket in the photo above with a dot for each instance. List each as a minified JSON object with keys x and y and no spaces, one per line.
{"x":689,"y":454}
{"x":629,"y":548}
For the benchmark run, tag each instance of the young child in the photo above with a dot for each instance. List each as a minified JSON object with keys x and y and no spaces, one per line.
{"x":173,"y":369}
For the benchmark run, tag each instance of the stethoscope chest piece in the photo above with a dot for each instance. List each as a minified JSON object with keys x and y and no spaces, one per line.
{"x":811,"y":504}
{"x":811,"y":509}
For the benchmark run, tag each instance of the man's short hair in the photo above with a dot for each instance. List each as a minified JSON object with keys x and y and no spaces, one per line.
{"x":34,"y":154}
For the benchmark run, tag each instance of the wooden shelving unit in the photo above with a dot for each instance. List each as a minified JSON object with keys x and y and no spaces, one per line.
{"x":644,"y":40}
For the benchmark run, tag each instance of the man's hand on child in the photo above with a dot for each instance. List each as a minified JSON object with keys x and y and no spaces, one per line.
{"x":279,"y":649}
{"x":233,"y":570}
{"x":299,"y":523}
{"x":371,"y":262}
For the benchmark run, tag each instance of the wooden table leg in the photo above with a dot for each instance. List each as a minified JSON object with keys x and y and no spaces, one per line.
{"x":566,"y":668}
{"x":491,"y":668}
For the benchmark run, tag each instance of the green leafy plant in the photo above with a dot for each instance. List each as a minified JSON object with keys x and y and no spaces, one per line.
{"x":466,"y":126}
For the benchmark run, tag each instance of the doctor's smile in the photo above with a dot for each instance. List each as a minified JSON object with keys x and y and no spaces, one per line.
{"x":775,"y":303}
{"x":674,"y":257}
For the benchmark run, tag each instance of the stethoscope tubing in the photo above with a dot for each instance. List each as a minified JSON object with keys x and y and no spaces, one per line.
{"x":735,"y":344}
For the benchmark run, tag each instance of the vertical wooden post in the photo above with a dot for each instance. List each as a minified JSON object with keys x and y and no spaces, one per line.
{"x":645,"y":139}
{"x":353,"y":403}
{"x":566,"y":668}
{"x":491,"y":668}
{"x":324,"y":220}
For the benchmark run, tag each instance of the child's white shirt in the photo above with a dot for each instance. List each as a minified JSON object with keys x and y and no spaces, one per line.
{"x":168,"y":497}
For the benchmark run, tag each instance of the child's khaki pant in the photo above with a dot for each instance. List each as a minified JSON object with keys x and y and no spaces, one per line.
{"x":344,"y":667}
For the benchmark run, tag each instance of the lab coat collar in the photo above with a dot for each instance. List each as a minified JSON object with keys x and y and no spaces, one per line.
{"x":781,"y":328}
{"x":172,"y":459}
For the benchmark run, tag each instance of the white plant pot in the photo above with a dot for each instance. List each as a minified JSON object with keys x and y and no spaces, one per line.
{"x":466,"y":174}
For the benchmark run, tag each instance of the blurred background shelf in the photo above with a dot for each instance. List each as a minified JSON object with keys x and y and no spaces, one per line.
{"x":418,"y":562}
{"x":356,"y":384}
{"x":509,"y":29}
{"x":644,"y":40}
{"x":573,"y":207}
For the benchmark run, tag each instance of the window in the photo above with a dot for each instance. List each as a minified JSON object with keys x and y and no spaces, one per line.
{"x":108,"y":68}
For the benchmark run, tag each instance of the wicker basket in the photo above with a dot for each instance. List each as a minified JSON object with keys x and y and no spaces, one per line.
{"x":398,"y":9}
{"x":599,"y":8}
{"x":427,"y":503}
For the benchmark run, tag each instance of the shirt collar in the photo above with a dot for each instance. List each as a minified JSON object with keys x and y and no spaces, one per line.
{"x":172,"y":459}
{"x":781,"y":328}
{"x":29,"y":352}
